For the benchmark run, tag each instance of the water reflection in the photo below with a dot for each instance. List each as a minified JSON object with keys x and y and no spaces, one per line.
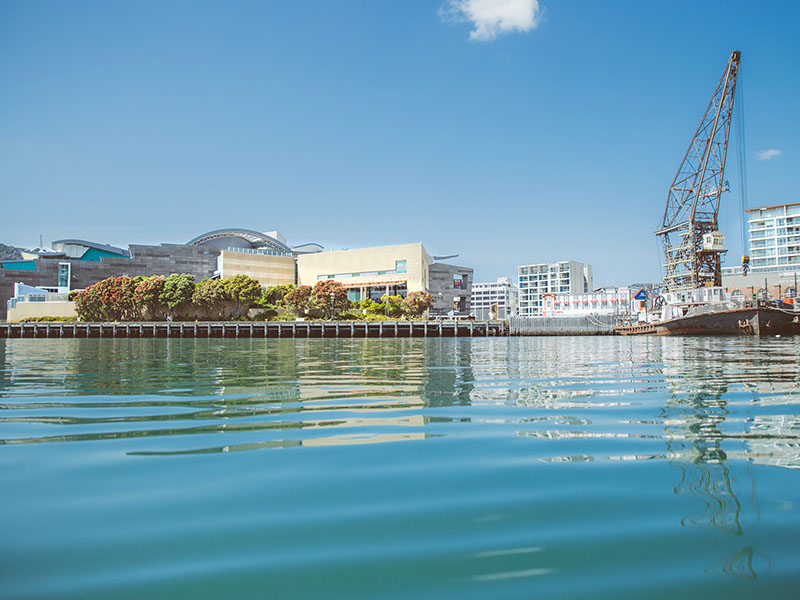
{"x":522,"y":453}
{"x":745,"y":563}
{"x":712,"y":409}
{"x":288,"y":391}
{"x":709,"y":400}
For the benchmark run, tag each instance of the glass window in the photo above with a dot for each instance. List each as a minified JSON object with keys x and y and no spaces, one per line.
{"x":400,"y":266}
{"x":63,"y":275}
{"x":401,"y":289}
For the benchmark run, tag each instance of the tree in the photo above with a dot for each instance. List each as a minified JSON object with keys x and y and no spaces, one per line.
{"x":210,"y":298}
{"x":110,"y":299}
{"x":146,"y":297}
{"x":329,"y":297}
{"x":243,"y":291}
{"x":177,"y":294}
{"x":416,"y":303}
{"x":274,"y":295}
{"x":299,"y":300}
{"x":88,"y":304}
{"x":371,"y":307}
{"x":392,"y":305}
{"x":116,"y":297}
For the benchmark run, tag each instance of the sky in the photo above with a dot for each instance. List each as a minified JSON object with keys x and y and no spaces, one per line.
{"x":509,"y":132}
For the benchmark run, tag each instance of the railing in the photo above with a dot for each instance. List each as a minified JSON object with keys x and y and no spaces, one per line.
{"x":588,"y":325}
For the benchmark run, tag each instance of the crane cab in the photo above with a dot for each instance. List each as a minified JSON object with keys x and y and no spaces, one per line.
{"x":714,"y":242}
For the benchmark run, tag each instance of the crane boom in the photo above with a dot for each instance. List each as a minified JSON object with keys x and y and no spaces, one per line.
{"x":691,"y":257}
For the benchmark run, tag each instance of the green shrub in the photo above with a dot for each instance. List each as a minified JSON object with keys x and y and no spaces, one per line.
{"x":268,"y":314}
{"x":50,"y":319}
{"x":349,"y":316}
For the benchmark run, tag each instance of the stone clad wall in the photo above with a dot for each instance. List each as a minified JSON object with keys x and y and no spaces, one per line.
{"x":440,"y":278}
{"x":267,"y":269}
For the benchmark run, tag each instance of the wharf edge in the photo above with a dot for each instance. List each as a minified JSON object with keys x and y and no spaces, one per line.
{"x":256,"y":329}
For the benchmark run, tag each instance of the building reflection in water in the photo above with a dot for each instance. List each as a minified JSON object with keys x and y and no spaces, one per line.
{"x":291,"y":392}
{"x":712,"y":392}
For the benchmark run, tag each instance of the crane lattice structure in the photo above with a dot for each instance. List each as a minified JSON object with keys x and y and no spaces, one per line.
{"x":693,"y":199}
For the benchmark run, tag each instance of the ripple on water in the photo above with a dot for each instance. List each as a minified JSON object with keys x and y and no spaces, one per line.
{"x":499,"y":467}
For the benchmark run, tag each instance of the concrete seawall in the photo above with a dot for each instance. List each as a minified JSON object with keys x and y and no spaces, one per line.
{"x":261,"y":329}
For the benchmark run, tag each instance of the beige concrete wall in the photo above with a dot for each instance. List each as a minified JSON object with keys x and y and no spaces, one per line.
{"x":343,"y":264}
{"x":33,"y":310}
{"x":776,"y":282}
{"x":268,"y":270}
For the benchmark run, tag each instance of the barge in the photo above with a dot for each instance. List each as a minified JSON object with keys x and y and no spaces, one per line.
{"x":759,"y":320}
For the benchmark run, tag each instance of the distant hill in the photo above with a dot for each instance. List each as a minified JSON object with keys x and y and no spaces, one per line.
{"x":9,"y":253}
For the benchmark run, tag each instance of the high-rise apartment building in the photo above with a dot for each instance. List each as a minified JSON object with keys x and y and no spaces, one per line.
{"x":774,"y":238}
{"x":565,"y":277}
{"x":502,"y":292}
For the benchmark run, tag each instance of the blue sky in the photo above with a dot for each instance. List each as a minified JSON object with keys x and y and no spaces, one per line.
{"x":358,"y":123}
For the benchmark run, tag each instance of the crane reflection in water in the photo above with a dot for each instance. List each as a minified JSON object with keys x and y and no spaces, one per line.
{"x":712,"y":417}
{"x":705,"y":429}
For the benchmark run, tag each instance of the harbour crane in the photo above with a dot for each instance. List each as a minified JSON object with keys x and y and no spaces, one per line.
{"x":689,"y":231}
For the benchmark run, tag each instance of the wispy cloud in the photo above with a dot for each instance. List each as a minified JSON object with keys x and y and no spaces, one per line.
{"x":493,"y":17}
{"x":767,"y":154}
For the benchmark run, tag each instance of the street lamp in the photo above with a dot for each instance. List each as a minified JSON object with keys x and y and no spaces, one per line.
{"x":332,"y":299}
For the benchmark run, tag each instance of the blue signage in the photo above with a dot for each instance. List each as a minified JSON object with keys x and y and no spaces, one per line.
{"x":640,"y":295}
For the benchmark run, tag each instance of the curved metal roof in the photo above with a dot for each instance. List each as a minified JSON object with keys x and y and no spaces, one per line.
{"x":256,"y":239}
{"x":309,"y":248}
{"x":88,"y":244}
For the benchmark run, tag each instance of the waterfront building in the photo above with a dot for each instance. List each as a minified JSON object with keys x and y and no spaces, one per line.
{"x":618,"y":301}
{"x":774,"y":238}
{"x":395,"y":270}
{"x":500,"y":298}
{"x":774,"y":247}
{"x":31,"y":302}
{"x":564,"y":277}
{"x":77,"y":264}
{"x":365,"y":272}
{"x":369,"y":272}
{"x":265,"y":257}
{"x":451,"y":288}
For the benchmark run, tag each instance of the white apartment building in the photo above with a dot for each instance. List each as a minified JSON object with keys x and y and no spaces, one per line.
{"x":774,"y":252}
{"x":774,"y":238}
{"x":502,"y":292}
{"x":565,"y":277}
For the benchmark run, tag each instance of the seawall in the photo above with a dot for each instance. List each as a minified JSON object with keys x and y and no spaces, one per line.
{"x":259,"y":329}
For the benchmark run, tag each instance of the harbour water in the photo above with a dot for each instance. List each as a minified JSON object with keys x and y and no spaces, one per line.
{"x":534,"y":467}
